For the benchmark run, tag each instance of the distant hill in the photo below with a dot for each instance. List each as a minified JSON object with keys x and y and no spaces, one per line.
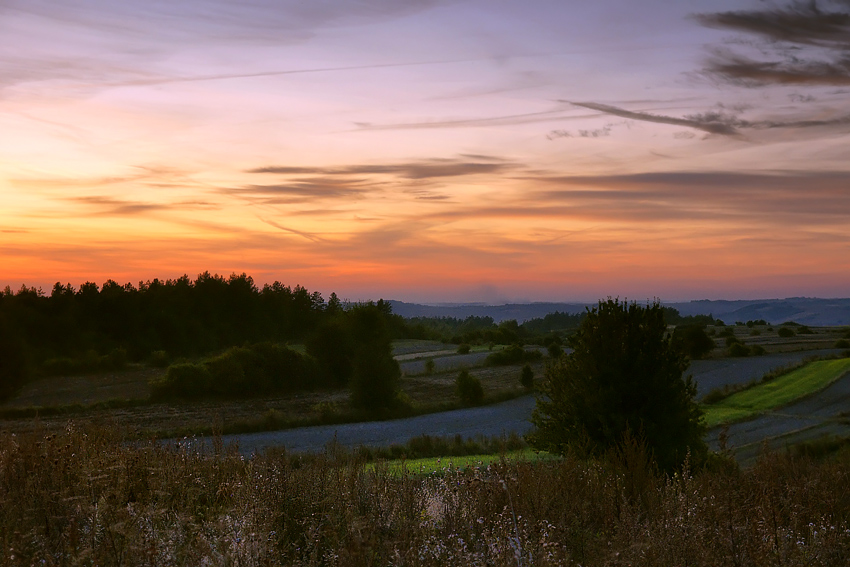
{"x":805,"y":310}
{"x":519,"y":311}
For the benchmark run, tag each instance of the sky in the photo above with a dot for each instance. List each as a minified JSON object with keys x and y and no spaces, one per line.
{"x":430,"y":150}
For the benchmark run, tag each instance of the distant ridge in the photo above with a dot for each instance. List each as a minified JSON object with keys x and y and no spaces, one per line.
{"x":805,"y":310}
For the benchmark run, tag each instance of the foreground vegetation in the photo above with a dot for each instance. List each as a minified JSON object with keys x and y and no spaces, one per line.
{"x":776,"y":393}
{"x":86,"y":497}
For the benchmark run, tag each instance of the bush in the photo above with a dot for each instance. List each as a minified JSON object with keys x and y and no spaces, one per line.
{"x":114,"y":361}
{"x":429,"y":366}
{"x":159,"y":359}
{"x":527,"y":377}
{"x":239,"y":372}
{"x":554,"y":350}
{"x":374,"y":381}
{"x":804,"y":330}
{"x":732,"y":340}
{"x":785,"y":332}
{"x":842,"y":343}
{"x":757,"y":350}
{"x":469,"y":388}
{"x":14,"y":369}
{"x":463,"y":348}
{"x":693,"y":341}
{"x":623,"y":379}
{"x":738,"y":350}
{"x":513,"y":354}
{"x":182,"y":381}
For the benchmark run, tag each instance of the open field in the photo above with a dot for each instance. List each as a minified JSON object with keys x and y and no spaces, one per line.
{"x":435,"y":391}
{"x":426,"y":392}
{"x":777,"y":393}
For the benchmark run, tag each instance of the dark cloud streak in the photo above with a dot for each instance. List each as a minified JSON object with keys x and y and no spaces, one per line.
{"x":806,"y":46}
{"x":427,"y":169}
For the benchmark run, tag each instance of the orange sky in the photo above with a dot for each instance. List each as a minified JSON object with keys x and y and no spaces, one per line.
{"x":428,"y":150}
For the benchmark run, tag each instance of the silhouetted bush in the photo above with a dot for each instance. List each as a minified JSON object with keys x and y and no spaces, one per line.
{"x":159,"y":359}
{"x":842,"y":343}
{"x":255,"y":370}
{"x":738,"y":349}
{"x":14,"y":367}
{"x":463,"y":348}
{"x":785,"y":332}
{"x":469,"y":388}
{"x":182,"y":381}
{"x":513,"y":354}
{"x":526,"y":377}
{"x":693,"y":341}
{"x":623,"y":378}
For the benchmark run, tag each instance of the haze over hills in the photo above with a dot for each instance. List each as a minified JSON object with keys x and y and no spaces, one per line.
{"x":805,"y":310}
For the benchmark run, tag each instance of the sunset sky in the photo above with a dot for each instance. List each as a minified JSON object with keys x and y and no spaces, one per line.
{"x":429,"y":150}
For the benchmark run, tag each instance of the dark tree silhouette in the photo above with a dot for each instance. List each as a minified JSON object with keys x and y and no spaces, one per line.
{"x":623,"y":378}
{"x":375,"y":376}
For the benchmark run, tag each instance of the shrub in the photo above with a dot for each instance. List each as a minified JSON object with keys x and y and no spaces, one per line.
{"x":624,"y":378}
{"x":115,"y":360}
{"x":527,"y":377}
{"x":786,"y":332}
{"x":842,"y":343}
{"x":732,"y":340}
{"x":429,"y":366}
{"x":804,"y":330}
{"x":757,"y":350}
{"x":738,"y":349}
{"x":693,"y":341}
{"x":755,"y":333}
{"x":159,"y":359}
{"x":469,"y":388}
{"x":513,"y":354}
{"x":14,"y":369}
{"x":183,"y":381}
{"x":555,"y":350}
{"x":463,"y":348}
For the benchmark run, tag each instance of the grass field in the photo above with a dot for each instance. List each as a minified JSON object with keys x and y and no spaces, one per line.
{"x":807,"y":380}
{"x":431,"y":465}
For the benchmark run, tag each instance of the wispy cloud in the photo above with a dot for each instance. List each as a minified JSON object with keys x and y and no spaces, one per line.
{"x":476,"y":122}
{"x":713,"y":123}
{"x":718,"y":121}
{"x":425,"y":169}
{"x":110,"y":206}
{"x":312,"y":189}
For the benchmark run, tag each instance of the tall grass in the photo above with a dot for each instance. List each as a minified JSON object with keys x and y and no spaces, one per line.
{"x":87,"y":497}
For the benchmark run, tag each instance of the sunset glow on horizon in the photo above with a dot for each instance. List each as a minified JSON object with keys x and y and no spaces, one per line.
{"x":430,"y":150}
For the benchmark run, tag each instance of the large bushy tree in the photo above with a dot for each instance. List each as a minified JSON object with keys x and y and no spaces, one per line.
{"x":623,"y":378}
{"x":375,"y":373}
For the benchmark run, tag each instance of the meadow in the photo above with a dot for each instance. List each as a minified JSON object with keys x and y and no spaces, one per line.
{"x":85,"y":496}
{"x":777,"y":392}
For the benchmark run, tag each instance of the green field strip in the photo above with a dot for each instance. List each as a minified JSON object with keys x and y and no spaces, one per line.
{"x":429,"y":465}
{"x":779,"y":392}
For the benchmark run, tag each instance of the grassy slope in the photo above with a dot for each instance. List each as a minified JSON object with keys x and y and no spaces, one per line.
{"x":779,"y":392}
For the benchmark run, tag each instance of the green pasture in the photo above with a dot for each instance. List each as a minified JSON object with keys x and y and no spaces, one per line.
{"x":429,"y":465}
{"x":781,"y":391}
